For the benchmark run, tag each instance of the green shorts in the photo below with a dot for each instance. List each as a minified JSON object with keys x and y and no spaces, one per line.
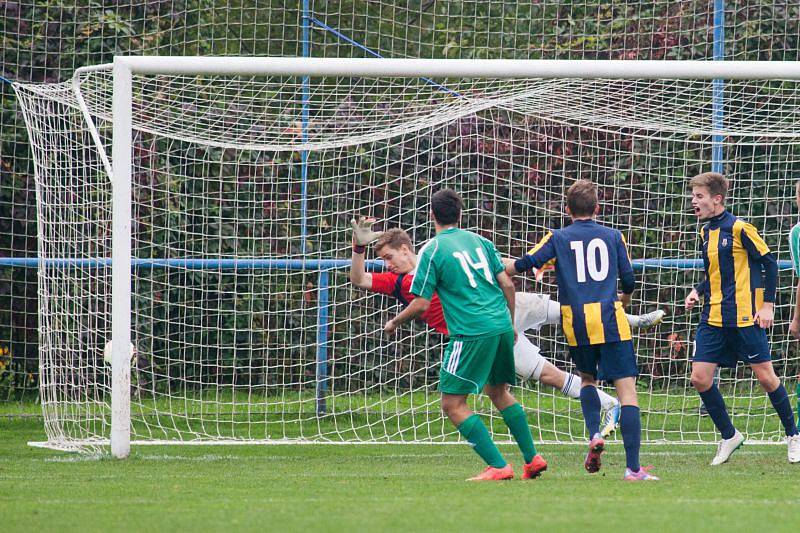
{"x":469,"y":363}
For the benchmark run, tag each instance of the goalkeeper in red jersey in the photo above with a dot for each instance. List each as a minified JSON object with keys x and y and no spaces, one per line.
{"x":532,"y":311}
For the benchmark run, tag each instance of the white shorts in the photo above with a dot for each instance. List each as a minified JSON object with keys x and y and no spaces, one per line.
{"x":530,"y":311}
{"x":528,"y":360}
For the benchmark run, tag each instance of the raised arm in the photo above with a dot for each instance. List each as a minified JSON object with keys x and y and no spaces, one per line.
{"x":358,"y":273}
{"x":362,"y":236}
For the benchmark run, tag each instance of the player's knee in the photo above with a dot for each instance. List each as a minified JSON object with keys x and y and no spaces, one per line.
{"x":769,"y":381}
{"x":499,"y":394}
{"x":701,"y":383}
{"x":550,"y":375}
{"x":447,"y":407}
{"x":452,"y":405}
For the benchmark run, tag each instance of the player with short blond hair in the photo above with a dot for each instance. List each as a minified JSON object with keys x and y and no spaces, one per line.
{"x":738,"y":307}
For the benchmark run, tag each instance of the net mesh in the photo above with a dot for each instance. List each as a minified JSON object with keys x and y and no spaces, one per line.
{"x":245,"y":324}
{"x":47,"y":41}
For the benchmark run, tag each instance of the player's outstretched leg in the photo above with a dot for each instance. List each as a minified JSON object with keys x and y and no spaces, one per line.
{"x":517,"y":422}
{"x":783,"y":406}
{"x":590,"y":406}
{"x":551,"y":314}
{"x":530,"y":364}
{"x":472,"y":428}
{"x":732,"y":439}
{"x":647,"y":320}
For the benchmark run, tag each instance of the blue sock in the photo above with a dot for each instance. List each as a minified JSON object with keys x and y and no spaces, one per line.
{"x":715,"y":406}
{"x":630,"y":424}
{"x":783,"y":406}
{"x":590,"y":405}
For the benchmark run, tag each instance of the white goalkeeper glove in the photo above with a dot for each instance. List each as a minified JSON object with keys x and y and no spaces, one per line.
{"x":362,"y":233}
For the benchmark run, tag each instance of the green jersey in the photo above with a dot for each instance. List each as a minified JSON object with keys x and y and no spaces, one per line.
{"x":794,"y":247}
{"x":461,"y":267}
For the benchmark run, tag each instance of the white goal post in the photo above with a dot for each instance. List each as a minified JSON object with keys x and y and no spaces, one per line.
{"x":753,"y":125}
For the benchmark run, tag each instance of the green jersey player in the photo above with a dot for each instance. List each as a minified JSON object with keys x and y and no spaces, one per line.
{"x":794,"y":327}
{"x":477,"y":298}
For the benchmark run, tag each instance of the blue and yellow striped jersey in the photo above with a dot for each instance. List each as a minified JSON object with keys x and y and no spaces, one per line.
{"x":741,"y":272}
{"x":589,"y":258}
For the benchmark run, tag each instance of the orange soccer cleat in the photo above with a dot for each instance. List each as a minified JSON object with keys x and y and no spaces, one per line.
{"x":535,"y":468}
{"x":491,"y":473}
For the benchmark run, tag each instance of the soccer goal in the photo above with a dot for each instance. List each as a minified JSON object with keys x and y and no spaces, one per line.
{"x":196,"y":211}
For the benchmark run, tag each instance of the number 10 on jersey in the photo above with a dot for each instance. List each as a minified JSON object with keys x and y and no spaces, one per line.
{"x":593,"y":259}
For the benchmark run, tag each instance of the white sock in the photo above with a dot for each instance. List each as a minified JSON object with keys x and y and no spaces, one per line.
{"x":606,"y":401}
{"x":572,"y":389}
{"x":572,"y":386}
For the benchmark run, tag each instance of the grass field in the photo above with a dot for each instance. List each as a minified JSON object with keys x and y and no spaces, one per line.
{"x":383,"y":487}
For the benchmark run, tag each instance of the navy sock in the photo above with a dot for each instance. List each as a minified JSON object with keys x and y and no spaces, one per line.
{"x":630,"y":424}
{"x":783,"y":406}
{"x":715,"y":406}
{"x":590,"y":405}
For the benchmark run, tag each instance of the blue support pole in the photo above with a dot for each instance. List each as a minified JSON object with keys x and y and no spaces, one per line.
{"x":718,"y":111}
{"x":322,"y":343}
{"x":718,"y":89}
{"x":322,"y":311}
{"x":304,"y":132}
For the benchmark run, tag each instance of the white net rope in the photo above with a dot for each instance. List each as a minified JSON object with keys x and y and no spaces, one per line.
{"x":46,"y":41}
{"x":245,"y":324}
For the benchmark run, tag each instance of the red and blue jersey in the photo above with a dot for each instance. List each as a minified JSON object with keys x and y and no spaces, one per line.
{"x":589,"y":259}
{"x":399,"y":286}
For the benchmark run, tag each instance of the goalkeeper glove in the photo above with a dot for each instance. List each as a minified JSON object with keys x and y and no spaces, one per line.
{"x":362,"y":233}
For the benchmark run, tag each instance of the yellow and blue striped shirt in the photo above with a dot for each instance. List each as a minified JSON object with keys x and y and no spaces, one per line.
{"x":741,"y":272}
{"x":589,"y":260}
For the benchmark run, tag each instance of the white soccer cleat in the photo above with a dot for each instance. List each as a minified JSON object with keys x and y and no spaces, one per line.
{"x":647,"y":320}
{"x":610,"y":421}
{"x":794,"y":448}
{"x":726,"y":447}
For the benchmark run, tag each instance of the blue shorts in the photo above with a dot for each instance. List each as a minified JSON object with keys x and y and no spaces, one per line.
{"x":606,"y":362}
{"x":727,"y":346}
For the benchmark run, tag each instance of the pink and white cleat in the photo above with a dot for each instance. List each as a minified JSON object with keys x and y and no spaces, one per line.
{"x":642,"y":475}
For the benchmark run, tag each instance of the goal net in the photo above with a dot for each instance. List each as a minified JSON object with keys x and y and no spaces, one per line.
{"x":244,"y":323}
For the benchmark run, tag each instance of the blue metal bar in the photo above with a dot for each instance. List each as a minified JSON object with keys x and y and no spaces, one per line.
{"x":304,"y":125}
{"x":293,"y":264}
{"x":193,"y":264}
{"x":718,"y":102}
{"x":718,"y":89}
{"x":322,"y":311}
{"x":322,"y":342}
{"x":373,"y":53}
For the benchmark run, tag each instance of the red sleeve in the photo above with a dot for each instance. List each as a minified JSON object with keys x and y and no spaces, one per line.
{"x":384,"y":282}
